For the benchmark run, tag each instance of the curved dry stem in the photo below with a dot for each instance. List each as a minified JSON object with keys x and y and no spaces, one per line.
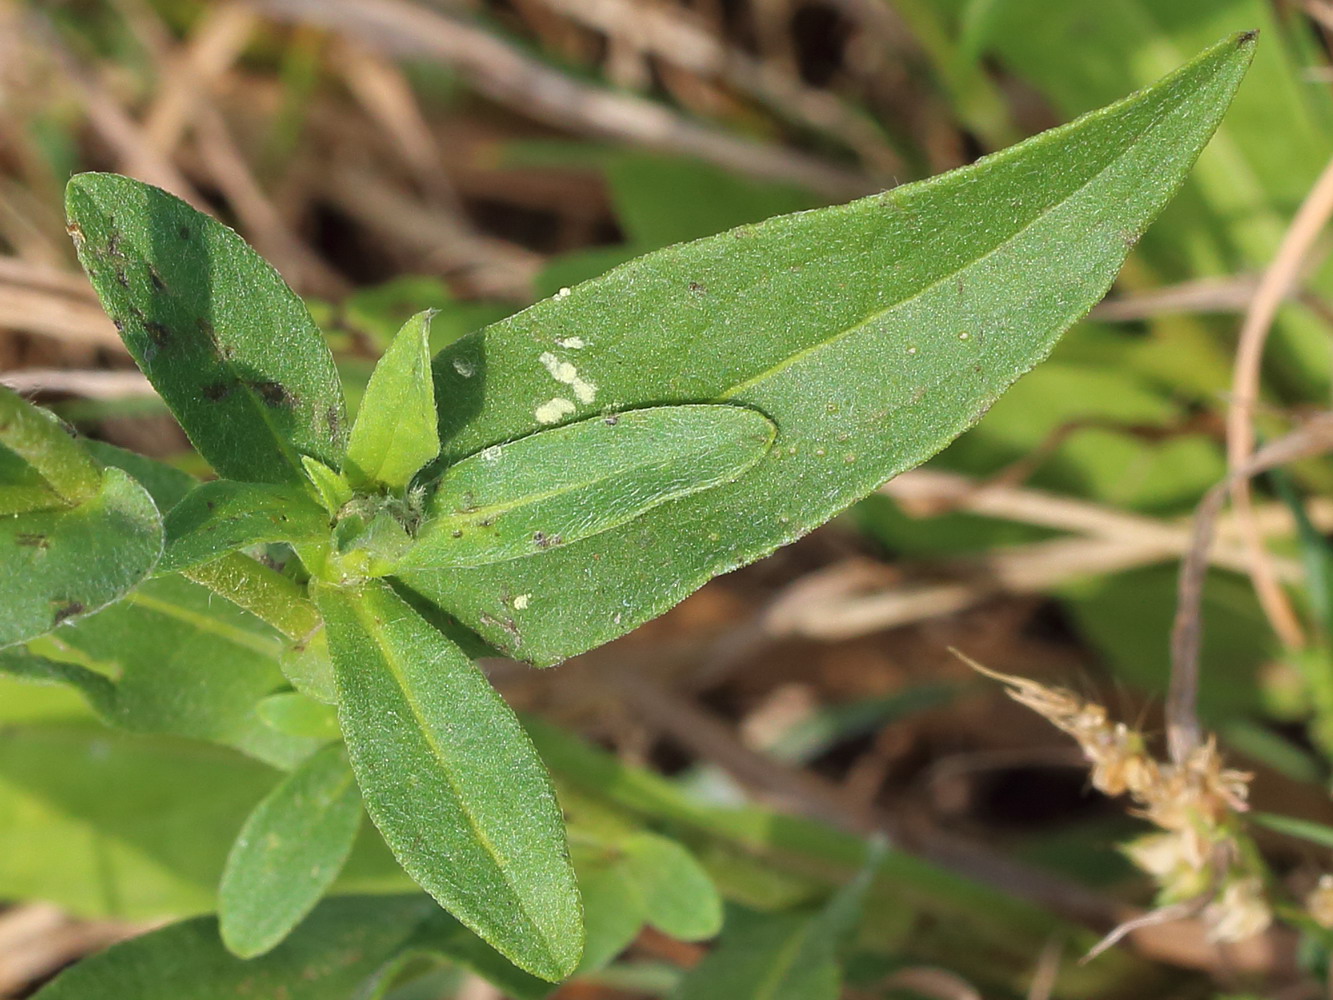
{"x":1274,"y":287}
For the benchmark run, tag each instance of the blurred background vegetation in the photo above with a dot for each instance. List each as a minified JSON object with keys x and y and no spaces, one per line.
{"x":473,"y":155}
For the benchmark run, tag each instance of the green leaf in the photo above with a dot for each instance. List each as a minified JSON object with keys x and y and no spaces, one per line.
{"x":451,"y":779}
{"x":395,"y":432}
{"x":296,"y":714}
{"x":763,"y":958}
{"x":107,"y":824}
{"x":39,"y":439}
{"x":679,"y":898}
{"x":1304,"y":829}
{"x":871,"y":334}
{"x":183,"y":663}
{"x":63,"y":564}
{"x":288,"y":853}
{"x":336,"y":952}
{"x":265,"y":593}
{"x":166,"y":484}
{"x":222,"y":516}
{"x":558,"y":486}
{"x":219,"y":334}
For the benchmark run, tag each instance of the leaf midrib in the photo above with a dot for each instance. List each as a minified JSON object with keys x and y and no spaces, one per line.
{"x":391,"y":660}
{"x":792,"y":359}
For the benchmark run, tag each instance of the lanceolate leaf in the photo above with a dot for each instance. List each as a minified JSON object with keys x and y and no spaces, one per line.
{"x":288,"y":853}
{"x":222,"y":516}
{"x":451,"y":779}
{"x":395,"y":433}
{"x":223,"y":340}
{"x":555,"y":487}
{"x":871,"y":334}
{"x":63,"y":564}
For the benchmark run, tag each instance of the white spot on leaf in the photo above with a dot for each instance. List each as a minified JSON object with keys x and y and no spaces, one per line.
{"x":553,"y":410}
{"x":521,"y":602}
{"x":567,"y":374}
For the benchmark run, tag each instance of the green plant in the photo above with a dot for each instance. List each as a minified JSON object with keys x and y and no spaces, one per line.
{"x":536,"y":489}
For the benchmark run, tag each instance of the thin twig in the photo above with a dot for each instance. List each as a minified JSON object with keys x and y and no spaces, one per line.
{"x":1280,"y":276}
{"x":96,"y":383}
{"x":1183,"y":730}
{"x":860,"y":596}
{"x":669,"y":36}
{"x":506,"y":75}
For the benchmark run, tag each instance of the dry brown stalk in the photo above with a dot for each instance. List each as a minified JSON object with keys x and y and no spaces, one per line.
{"x":1277,"y":281}
{"x":1314,"y":438}
{"x":504,"y":74}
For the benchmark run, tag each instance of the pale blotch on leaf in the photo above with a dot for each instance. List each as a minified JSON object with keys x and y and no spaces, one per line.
{"x":553,"y":410}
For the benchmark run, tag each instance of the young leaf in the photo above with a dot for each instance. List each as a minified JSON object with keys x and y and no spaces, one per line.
{"x":288,"y":853}
{"x":265,"y":593}
{"x":297,"y":714}
{"x":557,"y":486}
{"x":222,"y":516}
{"x":679,"y":898}
{"x":763,"y":958}
{"x":222,"y":338}
{"x":166,"y":484}
{"x":451,"y":779}
{"x":395,"y":432}
{"x":63,"y":564}
{"x":871,"y":334}
{"x":37,"y":438}
{"x":344,"y":943}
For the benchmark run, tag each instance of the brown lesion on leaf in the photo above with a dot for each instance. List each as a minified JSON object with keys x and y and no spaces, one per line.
{"x":161,"y":334}
{"x":156,"y":278}
{"x":333,"y":417}
{"x":75,"y":232}
{"x":506,"y":624}
{"x":216,"y":391}
{"x":274,"y":394}
{"x":66,"y":609}
{"x":544,"y":541}
{"x":183,"y":232}
{"x":33,"y":540}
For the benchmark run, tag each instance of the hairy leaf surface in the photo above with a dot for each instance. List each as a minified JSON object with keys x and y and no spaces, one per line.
{"x":556,"y":487}
{"x":222,"y":516}
{"x":224,"y":341}
{"x":452,"y":780}
{"x":288,"y":853}
{"x":63,"y":564}
{"x":871,"y":334}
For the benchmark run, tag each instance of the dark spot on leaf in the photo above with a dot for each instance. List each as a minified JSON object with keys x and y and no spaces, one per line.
{"x":121,"y":277}
{"x":209,"y":504}
{"x":457,"y":533}
{"x":697,"y":288}
{"x":334,"y":421}
{"x":113,"y":244}
{"x":33,"y":540}
{"x":1245,"y":38}
{"x":120,"y":325}
{"x":611,"y":421}
{"x":158,"y":331}
{"x":216,"y":391}
{"x":67,"y":609}
{"x":273,"y":393}
{"x":183,"y":232}
{"x":156,"y":279}
{"x":545,"y":541}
